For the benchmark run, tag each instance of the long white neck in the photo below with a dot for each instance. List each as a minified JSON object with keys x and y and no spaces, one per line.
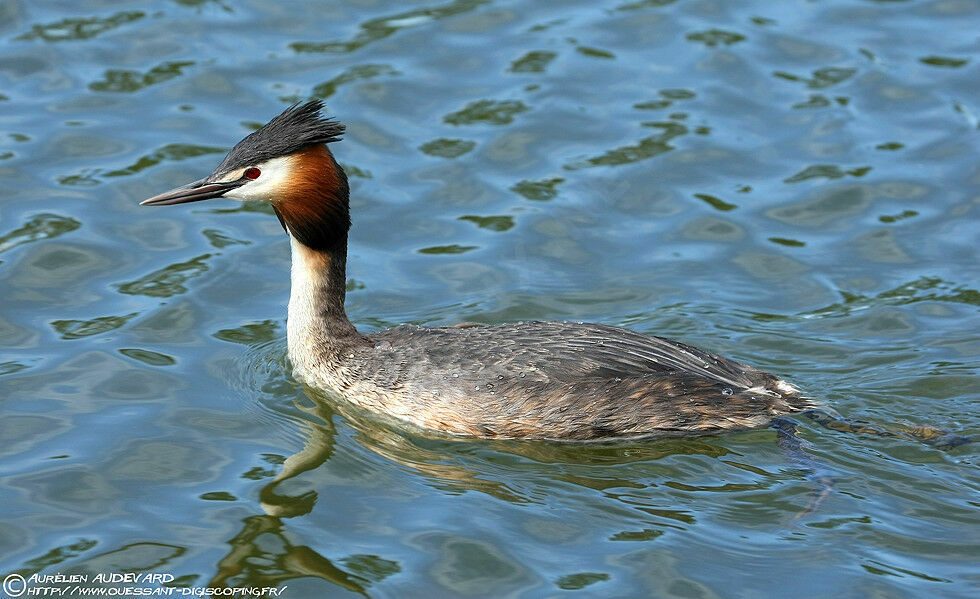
{"x":317,"y":327}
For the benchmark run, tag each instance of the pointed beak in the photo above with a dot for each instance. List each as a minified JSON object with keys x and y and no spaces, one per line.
{"x":192,"y":192}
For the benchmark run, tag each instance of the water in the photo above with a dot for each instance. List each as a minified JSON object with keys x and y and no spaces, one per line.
{"x":792,"y":184}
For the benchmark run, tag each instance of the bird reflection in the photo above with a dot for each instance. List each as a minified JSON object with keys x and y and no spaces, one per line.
{"x":262,"y":553}
{"x":262,"y":556}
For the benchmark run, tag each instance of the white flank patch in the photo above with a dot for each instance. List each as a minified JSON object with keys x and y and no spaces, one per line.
{"x":785,"y":387}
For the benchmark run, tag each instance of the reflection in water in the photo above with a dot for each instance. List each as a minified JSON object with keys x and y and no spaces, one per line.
{"x":493,"y":223}
{"x":169,"y":280}
{"x":716,"y":203}
{"x":922,"y":290}
{"x":352,"y":74}
{"x":539,"y":191}
{"x":80,"y":28}
{"x":262,"y":553}
{"x":532,"y":62}
{"x":377,"y":29}
{"x":41,"y":226}
{"x":492,"y":112}
{"x":447,"y":148}
{"x":262,"y":556}
{"x":168,"y":153}
{"x":715,"y":37}
{"x":76,"y":329}
{"x":54,"y":557}
{"x":822,"y":78}
{"x":128,"y":81}
{"x":925,"y":289}
{"x":648,"y":147}
{"x":827,"y":171}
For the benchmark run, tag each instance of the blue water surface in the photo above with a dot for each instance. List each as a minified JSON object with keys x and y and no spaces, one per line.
{"x":793,"y":184}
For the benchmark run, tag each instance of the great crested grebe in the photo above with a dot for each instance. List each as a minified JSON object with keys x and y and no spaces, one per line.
{"x":555,"y":380}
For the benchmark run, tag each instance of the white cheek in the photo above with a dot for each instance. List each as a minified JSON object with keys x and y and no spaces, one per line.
{"x":274,"y":175}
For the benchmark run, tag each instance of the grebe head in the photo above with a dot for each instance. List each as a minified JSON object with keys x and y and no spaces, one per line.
{"x":285,"y":164}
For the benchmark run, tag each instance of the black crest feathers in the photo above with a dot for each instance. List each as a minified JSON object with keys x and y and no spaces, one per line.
{"x":298,"y":127}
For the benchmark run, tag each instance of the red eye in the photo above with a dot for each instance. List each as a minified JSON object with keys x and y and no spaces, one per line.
{"x":252,"y":173}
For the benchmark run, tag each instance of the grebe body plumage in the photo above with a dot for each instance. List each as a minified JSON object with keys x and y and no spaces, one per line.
{"x":553,"y":380}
